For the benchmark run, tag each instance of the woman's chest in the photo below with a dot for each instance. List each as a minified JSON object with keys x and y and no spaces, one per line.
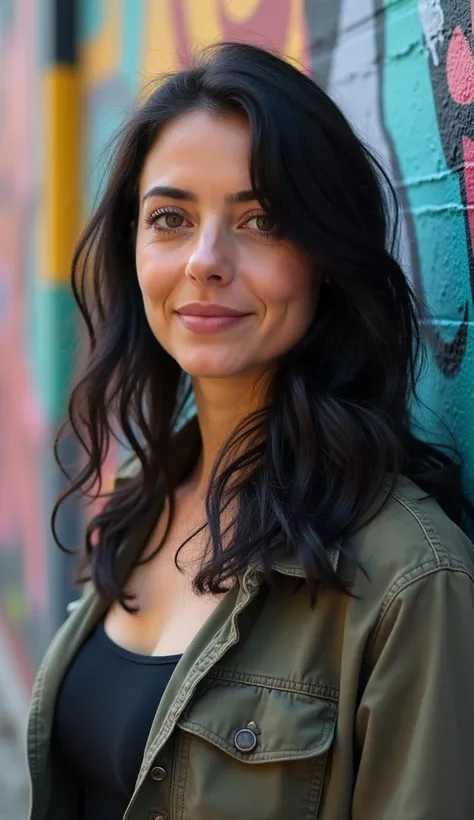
{"x":256,"y":736}
{"x":248,"y":722}
{"x":167,"y":612}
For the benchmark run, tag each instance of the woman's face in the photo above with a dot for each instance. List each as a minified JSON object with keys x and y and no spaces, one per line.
{"x":223,"y":294}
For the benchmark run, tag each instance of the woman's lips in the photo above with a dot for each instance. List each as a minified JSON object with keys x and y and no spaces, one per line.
{"x":209,"y":317}
{"x":210,"y":324}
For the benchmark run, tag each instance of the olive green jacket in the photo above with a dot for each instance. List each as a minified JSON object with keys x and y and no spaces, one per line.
{"x":360,"y":708}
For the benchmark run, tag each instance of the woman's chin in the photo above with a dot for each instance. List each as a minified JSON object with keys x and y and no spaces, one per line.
{"x":208,"y":367}
{"x":208,"y":371}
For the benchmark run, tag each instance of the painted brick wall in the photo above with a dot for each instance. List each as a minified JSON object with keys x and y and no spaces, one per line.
{"x":402,"y":70}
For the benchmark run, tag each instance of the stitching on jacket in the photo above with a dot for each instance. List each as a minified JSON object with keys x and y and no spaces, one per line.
{"x":401,"y":585}
{"x":32,"y":738}
{"x":314,"y":690}
{"x":208,"y":734}
{"x":204,"y":665}
{"x":176,"y":706}
{"x":314,"y":798}
{"x":425,"y":524}
{"x":179,"y":779}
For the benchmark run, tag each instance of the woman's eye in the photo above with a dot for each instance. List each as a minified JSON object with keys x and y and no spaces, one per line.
{"x":262,"y":223}
{"x":171,"y":220}
{"x":166,"y":220}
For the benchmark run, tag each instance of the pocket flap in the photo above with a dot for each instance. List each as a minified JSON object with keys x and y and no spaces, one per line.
{"x":279,"y":724}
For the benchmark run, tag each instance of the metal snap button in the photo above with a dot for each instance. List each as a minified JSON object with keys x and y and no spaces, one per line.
{"x":158,"y":773}
{"x":245,"y":740}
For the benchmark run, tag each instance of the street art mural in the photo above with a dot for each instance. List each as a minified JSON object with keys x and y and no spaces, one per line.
{"x":22,"y":421}
{"x":402,"y":71}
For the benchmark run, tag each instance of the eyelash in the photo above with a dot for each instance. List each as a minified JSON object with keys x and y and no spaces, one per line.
{"x":154,"y":216}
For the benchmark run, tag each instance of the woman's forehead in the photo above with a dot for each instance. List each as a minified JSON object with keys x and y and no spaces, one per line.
{"x":200,"y":151}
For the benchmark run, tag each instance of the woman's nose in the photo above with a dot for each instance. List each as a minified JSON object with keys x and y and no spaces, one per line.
{"x":209,"y":262}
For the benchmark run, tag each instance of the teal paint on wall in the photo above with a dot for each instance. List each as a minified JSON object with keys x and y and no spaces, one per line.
{"x":57,"y":349}
{"x":106,"y":106}
{"x":381,"y":70}
{"x":433,"y":190}
{"x":405,"y":105}
{"x":437,"y":213}
{"x":91,"y":17}
{"x":133,"y":42}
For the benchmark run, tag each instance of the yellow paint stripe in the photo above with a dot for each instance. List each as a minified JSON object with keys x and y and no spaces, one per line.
{"x":203,"y":23}
{"x":159,"y":43}
{"x":61,"y":205}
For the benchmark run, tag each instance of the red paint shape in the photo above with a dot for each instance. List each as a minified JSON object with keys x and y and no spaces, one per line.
{"x":460,"y":68}
{"x":468,"y":149}
{"x":269,"y":25}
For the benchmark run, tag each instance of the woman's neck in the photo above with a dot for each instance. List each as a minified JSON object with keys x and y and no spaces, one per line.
{"x":221,"y":405}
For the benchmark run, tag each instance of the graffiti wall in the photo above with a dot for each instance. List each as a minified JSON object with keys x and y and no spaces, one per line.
{"x":403,"y":72}
{"x":22,"y":420}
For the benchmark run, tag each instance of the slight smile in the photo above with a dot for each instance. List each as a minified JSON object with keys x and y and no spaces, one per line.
{"x":209,"y":317}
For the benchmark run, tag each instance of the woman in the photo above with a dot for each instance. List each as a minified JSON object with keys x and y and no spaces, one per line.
{"x":281,"y":611}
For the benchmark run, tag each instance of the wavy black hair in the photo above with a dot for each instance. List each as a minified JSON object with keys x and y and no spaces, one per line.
{"x":308,"y":468}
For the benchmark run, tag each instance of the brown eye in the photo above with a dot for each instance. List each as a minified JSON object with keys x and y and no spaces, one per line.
{"x":264,"y":223}
{"x":173,"y":220}
{"x":166,"y":220}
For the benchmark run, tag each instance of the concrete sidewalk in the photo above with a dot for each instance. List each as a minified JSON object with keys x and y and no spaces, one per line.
{"x":14,"y":783}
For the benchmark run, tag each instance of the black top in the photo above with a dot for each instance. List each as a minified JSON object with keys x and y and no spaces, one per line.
{"x":104,"y":712}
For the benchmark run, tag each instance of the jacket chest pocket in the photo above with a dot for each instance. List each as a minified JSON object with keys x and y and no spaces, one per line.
{"x":252,"y":752}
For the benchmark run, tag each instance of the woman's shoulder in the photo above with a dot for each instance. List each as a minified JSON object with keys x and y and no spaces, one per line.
{"x":409,"y":539}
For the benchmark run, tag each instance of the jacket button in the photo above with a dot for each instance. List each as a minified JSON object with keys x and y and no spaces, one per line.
{"x":158,"y":773}
{"x":245,"y":740}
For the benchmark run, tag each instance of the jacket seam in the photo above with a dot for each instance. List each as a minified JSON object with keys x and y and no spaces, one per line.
{"x":317,"y":782}
{"x":277,"y":684}
{"x":425,"y":524}
{"x":180,"y":778}
{"x":205,"y":664}
{"x":403,"y":583}
{"x":32,"y":738}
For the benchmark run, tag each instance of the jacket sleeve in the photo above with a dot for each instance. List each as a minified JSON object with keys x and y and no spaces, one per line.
{"x":415,"y":721}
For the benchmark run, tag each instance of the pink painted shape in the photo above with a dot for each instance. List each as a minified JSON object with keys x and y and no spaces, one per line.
{"x":269,"y":24}
{"x":181,"y":28}
{"x":468,"y":149}
{"x":460,"y":66}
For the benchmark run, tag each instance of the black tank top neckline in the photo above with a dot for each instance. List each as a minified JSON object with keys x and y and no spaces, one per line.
{"x":128,"y":654}
{"x":104,"y":711}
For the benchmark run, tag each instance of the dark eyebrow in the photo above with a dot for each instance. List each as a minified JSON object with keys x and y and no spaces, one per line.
{"x":170,"y":192}
{"x":188,"y":196}
{"x":241,"y":196}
